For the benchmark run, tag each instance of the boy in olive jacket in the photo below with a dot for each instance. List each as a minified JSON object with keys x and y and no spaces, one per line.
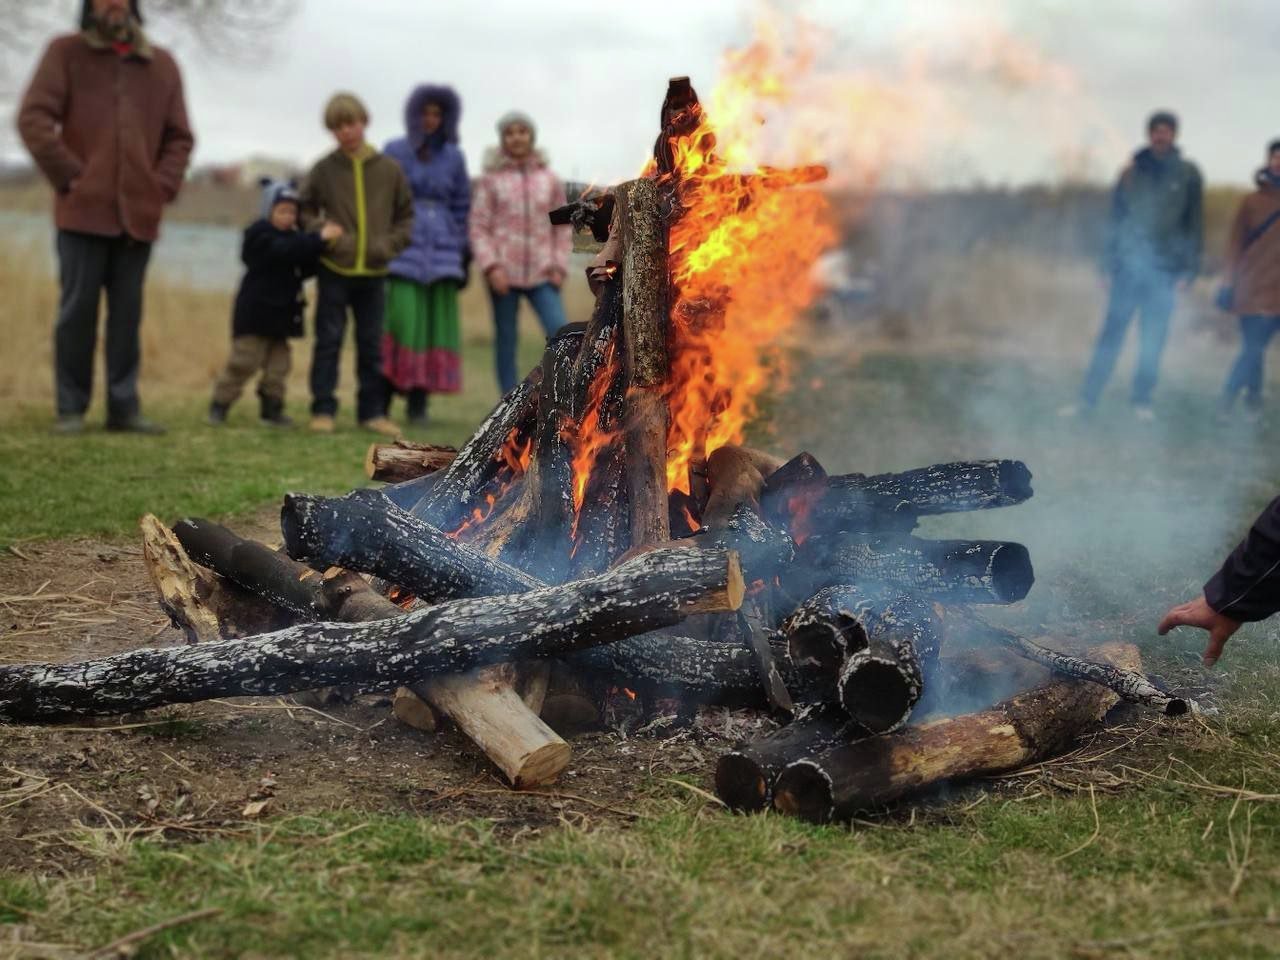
{"x":365,"y":193}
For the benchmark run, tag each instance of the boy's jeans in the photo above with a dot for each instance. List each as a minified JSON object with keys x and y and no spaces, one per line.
{"x":365,"y":296}
{"x":1147,"y":291}
{"x":545,"y":299}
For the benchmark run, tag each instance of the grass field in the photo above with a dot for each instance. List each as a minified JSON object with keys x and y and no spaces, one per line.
{"x":1159,"y":839}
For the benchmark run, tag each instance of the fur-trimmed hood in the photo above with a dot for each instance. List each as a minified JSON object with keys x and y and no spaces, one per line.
{"x":450,"y":104}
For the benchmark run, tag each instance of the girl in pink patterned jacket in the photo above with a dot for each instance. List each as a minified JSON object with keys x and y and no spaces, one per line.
{"x":514,"y":244}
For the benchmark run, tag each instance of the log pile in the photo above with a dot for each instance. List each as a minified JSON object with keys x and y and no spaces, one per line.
{"x":551,"y":559}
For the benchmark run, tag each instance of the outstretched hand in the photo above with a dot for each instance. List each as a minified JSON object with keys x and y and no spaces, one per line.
{"x":1198,"y":613}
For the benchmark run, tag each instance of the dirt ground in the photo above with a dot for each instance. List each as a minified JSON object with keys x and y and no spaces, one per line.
{"x":202,"y":769}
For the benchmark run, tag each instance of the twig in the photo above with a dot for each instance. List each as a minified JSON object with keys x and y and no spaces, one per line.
{"x":1097,"y":829}
{"x":698,"y":790}
{"x":115,"y":946}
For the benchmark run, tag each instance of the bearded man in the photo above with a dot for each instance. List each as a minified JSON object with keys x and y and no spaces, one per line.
{"x":105,"y":121}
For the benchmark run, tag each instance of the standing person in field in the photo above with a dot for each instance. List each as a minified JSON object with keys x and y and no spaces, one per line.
{"x":1252,"y":288}
{"x":105,"y":121}
{"x":421,"y":344}
{"x":1153,"y":246}
{"x":366,"y":194}
{"x":269,"y":304}
{"x":516,"y":248}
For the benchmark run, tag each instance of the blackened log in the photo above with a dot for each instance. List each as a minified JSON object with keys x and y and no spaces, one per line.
{"x":881,"y":684}
{"x":603,"y":532}
{"x":454,"y":494}
{"x":405,"y":460}
{"x":407,"y":493}
{"x":551,"y":469}
{"x":954,"y":571}
{"x":871,"y":773}
{"x":601,"y":346}
{"x":765,"y":551}
{"x":824,"y":631}
{"x":1130,"y":686}
{"x":942,"y":488}
{"x":655,"y":590}
{"x":254,"y":566}
{"x":745,"y":776}
{"x":670,"y":664}
{"x":364,"y":531}
{"x":791,"y":492}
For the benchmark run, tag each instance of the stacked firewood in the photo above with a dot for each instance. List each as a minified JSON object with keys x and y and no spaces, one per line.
{"x":550,"y":559}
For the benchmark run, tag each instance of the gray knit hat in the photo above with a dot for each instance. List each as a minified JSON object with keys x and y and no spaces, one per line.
{"x":517,"y":116}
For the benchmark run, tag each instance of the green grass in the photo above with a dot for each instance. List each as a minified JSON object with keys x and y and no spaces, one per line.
{"x":1151,"y":846}
{"x":99,"y":484}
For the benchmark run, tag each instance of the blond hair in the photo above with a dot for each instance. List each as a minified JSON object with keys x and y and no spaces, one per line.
{"x":344,"y":108}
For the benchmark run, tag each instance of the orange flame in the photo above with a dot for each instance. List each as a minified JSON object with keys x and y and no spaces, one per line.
{"x":513,"y":460}
{"x":591,"y":438}
{"x":742,"y":250}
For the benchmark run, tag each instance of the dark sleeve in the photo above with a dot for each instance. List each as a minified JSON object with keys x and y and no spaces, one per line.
{"x":1247,"y":588}
{"x":1119,"y":210}
{"x":402,"y":222}
{"x":176,"y":142}
{"x":296,"y":248}
{"x":1193,"y":225}
{"x":40,"y":119}
{"x":460,"y":198}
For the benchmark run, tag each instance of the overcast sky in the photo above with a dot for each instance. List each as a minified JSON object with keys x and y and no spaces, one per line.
{"x":1065,"y":85}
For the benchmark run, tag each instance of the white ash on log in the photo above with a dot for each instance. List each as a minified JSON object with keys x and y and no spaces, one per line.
{"x":670,"y":664}
{"x":824,"y":631}
{"x":765,"y":552}
{"x":952,"y":571}
{"x":655,"y":590}
{"x":405,"y":460}
{"x":871,"y":773}
{"x":941,"y":488}
{"x":364,"y":531}
{"x":745,"y":776}
{"x":457,"y":488}
{"x":880,"y":684}
{"x":791,"y":492}
{"x":600,"y":344}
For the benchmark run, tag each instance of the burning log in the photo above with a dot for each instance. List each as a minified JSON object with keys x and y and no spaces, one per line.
{"x":364,"y":531}
{"x":599,"y":344}
{"x":735,"y":475}
{"x":942,"y":488}
{"x":668,"y":664}
{"x":456,"y":490}
{"x":655,"y":590}
{"x":405,"y":460}
{"x":954,"y":571}
{"x":824,"y":631}
{"x":764,"y":551}
{"x":880,"y":684}
{"x":644,"y":324}
{"x":745,"y":776}
{"x":871,"y":773}
{"x":791,"y":491}
{"x":550,"y":476}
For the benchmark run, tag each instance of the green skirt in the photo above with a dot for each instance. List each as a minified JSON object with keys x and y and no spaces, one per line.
{"x":421,"y":341}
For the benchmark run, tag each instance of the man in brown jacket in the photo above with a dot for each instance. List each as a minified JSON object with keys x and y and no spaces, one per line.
{"x":1253,"y":284}
{"x":105,"y":121}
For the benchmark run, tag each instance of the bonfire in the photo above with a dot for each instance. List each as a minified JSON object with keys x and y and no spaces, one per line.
{"x":606,"y":532}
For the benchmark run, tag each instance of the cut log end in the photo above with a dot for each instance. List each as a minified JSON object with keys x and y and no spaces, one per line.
{"x":875,"y":693}
{"x":1015,"y":480}
{"x":1011,"y":573}
{"x":741,"y":783}
{"x":543,"y":766}
{"x":805,"y":793}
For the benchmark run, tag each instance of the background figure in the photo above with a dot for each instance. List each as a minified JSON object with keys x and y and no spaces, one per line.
{"x":1253,"y":283}
{"x":421,"y":342}
{"x":269,"y":304}
{"x":1153,"y":243}
{"x":105,"y":120}
{"x":366,"y":194}
{"x":515,"y":245}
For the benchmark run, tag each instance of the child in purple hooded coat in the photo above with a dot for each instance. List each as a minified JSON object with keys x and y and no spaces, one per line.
{"x":421,"y":341}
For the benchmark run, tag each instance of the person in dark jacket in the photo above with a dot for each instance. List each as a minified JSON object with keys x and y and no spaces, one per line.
{"x":269,"y":304}
{"x":1153,"y":246}
{"x":421,"y":344}
{"x":1253,"y":284}
{"x":1246,"y":589}
{"x":105,"y":121}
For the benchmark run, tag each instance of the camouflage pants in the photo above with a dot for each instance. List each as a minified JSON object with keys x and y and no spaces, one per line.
{"x":248,"y":356}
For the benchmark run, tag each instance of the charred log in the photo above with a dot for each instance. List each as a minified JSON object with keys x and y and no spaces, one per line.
{"x":826,"y":630}
{"x":655,"y":590}
{"x":745,"y":776}
{"x":363,"y":531}
{"x":791,"y":492}
{"x":669,"y":664}
{"x":880,"y":684}
{"x":873,"y":772}
{"x":765,"y":552}
{"x":954,"y":571}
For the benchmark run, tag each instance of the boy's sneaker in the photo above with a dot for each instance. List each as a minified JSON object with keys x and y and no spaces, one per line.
{"x":382,"y":425}
{"x":217,"y":414}
{"x":321,"y":423}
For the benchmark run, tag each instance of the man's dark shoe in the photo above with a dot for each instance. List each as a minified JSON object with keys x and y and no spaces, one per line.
{"x":218,"y":414}
{"x":136,"y":424}
{"x":69,"y":423}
